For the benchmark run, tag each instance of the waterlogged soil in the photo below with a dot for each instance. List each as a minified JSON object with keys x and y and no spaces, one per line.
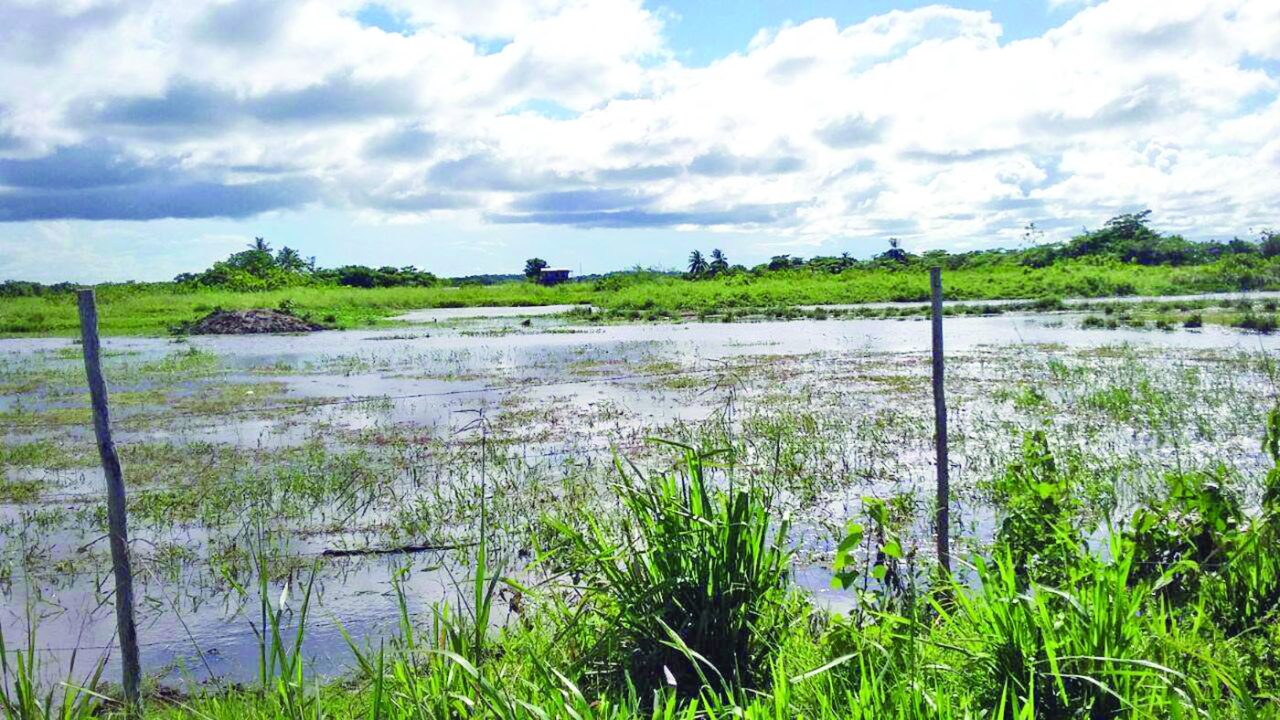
{"x":284,"y":458}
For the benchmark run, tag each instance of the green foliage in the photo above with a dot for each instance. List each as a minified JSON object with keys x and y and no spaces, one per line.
{"x":1189,"y":529}
{"x":719,"y":262}
{"x":695,"y":578}
{"x":1038,"y":532}
{"x":359,"y":276}
{"x":25,"y":288}
{"x":1068,"y":652}
{"x":258,"y":269}
{"x":697,"y":264}
{"x":1125,"y":257}
{"x":1269,"y":244}
{"x":533,"y":267}
{"x":895,"y":253}
{"x":1265,"y":324}
{"x":693,"y":584}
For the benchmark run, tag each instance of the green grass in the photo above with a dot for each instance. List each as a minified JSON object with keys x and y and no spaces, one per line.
{"x":152,"y":310}
{"x":691,"y":585}
{"x":704,"y":570}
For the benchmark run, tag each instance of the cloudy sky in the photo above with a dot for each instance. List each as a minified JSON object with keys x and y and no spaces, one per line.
{"x":142,"y":138}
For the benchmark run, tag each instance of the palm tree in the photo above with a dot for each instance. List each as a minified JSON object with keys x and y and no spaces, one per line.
{"x":719,"y":263}
{"x":290,"y":259}
{"x":895,"y":251}
{"x":697,"y":264}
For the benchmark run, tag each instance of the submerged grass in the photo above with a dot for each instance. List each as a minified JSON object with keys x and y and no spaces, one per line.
{"x":682,"y":610}
{"x":676,"y":602}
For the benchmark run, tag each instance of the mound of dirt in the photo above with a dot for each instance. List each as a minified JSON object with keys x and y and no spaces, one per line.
{"x":248,"y":322}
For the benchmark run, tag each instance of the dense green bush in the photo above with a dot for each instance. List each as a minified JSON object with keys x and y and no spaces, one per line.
{"x":693,"y":583}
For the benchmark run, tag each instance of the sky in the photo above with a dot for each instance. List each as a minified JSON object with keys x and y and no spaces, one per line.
{"x":144,"y":138}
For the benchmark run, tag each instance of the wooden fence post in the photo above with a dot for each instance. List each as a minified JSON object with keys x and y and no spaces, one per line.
{"x":116,"y":517}
{"x":943,"y":520}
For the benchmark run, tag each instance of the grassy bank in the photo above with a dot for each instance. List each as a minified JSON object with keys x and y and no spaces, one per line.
{"x":153,"y":309}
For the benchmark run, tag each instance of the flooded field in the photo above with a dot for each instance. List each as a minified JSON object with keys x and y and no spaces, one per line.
{"x":354,"y":457}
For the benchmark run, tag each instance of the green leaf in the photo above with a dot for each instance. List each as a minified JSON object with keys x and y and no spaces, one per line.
{"x":852,"y":540}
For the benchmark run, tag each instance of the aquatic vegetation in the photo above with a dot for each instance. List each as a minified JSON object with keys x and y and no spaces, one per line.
{"x":366,"y":467}
{"x":1102,"y":641}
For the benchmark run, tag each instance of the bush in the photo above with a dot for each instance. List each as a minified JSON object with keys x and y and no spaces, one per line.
{"x":1038,"y":530}
{"x":694,"y":584}
{"x":1265,"y":324}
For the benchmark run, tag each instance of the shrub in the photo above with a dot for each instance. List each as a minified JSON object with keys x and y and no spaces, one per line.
{"x":693,"y":585}
{"x":1264,"y":324}
{"x":1038,"y":530}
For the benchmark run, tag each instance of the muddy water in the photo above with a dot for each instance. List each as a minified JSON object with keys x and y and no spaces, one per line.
{"x":1253,"y":296}
{"x":604,"y":381}
{"x":466,"y":313}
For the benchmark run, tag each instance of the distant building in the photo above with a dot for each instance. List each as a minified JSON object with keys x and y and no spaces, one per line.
{"x":552,"y":276}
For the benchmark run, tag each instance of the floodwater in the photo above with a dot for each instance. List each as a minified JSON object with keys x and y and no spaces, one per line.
{"x":585,"y":392}
{"x":1253,"y":295}
{"x":468,"y":313}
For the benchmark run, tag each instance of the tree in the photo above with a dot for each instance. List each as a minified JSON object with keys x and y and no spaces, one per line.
{"x":289,"y":259}
{"x":719,"y":263}
{"x":780,"y":262}
{"x":258,"y":263}
{"x":1129,"y":225}
{"x":697,"y":264}
{"x":533,"y":267}
{"x":895,"y":252}
{"x":357,"y":276}
{"x":1122,"y":235}
{"x":1269,"y":243}
{"x":260,"y":245}
{"x":1032,"y":235}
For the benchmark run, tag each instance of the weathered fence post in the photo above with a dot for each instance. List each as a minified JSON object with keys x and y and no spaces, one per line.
{"x":116,"y":518}
{"x":940,"y":426}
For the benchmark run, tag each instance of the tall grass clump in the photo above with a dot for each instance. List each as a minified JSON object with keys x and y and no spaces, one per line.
{"x":22,"y":695}
{"x":694,"y":581}
{"x":1069,"y":651}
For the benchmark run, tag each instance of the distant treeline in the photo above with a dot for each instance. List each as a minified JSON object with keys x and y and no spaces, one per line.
{"x":258,"y":268}
{"x":1126,"y":238}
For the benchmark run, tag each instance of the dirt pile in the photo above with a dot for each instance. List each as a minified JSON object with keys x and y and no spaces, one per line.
{"x":248,"y":322}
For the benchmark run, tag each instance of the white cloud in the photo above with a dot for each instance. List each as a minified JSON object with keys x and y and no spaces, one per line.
{"x":921,"y":124}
